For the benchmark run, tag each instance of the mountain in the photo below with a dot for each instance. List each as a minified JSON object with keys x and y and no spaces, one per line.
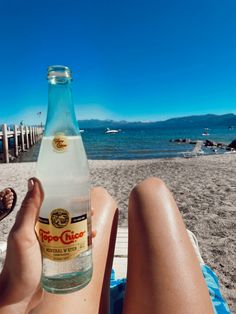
{"x":95,"y":123}
{"x":208,"y":120}
{"x":204,"y":121}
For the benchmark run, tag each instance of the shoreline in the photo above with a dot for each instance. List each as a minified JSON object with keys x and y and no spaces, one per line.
{"x":204,"y":188}
{"x":155,"y":144}
{"x":31,"y":156}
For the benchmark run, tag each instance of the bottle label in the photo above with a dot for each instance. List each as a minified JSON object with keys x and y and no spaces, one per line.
{"x":62,"y":237}
{"x":60,"y":143}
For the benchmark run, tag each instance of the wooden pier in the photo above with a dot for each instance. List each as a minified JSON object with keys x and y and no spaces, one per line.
{"x":23,"y":138}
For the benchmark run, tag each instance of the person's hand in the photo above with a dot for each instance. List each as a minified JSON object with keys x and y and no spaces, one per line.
{"x":20,"y":289}
{"x":20,"y":278}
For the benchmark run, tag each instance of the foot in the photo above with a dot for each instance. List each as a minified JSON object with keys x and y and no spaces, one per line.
{"x":7,"y":202}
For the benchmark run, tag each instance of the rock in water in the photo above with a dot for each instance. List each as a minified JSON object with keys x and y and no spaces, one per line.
{"x":232,"y":144}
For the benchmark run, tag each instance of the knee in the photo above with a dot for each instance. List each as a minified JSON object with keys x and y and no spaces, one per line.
{"x":148,"y":184}
{"x":99,"y":190}
{"x":102,"y":195}
{"x":148,"y":188}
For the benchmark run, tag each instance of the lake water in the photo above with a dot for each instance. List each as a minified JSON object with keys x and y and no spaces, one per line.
{"x":147,"y":143}
{"x":142,"y":143}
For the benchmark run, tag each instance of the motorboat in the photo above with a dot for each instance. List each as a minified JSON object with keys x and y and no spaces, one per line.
{"x":206,"y":133}
{"x":109,"y":131}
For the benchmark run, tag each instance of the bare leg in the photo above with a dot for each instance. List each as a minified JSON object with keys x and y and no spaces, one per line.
{"x":94,"y":298}
{"x":163,"y":272}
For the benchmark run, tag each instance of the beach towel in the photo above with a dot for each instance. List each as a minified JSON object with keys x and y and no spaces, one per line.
{"x":117,"y":291}
{"x":219,"y":304}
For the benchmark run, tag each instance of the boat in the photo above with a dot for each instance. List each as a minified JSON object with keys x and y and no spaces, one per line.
{"x":109,"y":131}
{"x":206,"y":133}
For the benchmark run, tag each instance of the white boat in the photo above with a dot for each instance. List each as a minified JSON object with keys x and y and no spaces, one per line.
{"x":206,"y":133}
{"x":109,"y":131}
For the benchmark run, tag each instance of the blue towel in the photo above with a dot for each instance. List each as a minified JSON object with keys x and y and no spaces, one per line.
{"x":117,"y":292}
{"x":219,"y":304}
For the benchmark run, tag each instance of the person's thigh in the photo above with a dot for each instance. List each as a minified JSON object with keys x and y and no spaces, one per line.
{"x":94,"y":298}
{"x":164,"y":275}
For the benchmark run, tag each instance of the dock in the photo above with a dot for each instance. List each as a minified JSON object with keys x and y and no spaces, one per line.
{"x":22,"y":138}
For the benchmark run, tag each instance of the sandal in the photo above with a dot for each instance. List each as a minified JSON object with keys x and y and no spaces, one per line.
{"x":4,"y":211}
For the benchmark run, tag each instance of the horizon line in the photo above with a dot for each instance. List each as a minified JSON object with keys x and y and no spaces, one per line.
{"x":153,"y":121}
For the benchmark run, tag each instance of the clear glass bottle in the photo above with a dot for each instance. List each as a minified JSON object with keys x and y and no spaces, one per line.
{"x":64,"y":224}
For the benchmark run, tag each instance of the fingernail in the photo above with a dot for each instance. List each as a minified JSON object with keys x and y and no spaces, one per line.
{"x":30,"y":184}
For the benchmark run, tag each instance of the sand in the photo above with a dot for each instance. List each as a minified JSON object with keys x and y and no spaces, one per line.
{"x":204,"y":188}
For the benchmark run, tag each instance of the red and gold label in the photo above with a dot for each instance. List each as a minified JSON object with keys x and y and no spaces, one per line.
{"x":60,"y":143}
{"x":62,"y":237}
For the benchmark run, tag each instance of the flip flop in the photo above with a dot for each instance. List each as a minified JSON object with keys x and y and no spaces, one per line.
{"x":4,"y":212}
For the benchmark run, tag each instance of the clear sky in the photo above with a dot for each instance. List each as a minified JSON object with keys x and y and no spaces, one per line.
{"x":132,"y":60}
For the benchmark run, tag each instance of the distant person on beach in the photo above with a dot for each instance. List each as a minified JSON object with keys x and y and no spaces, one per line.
{"x":8,"y":199}
{"x":164,"y":273}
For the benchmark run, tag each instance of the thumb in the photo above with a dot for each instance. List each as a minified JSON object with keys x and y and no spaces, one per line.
{"x":28,"y":213}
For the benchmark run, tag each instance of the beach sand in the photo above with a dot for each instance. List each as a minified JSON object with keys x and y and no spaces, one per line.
{"x":204,"y":188}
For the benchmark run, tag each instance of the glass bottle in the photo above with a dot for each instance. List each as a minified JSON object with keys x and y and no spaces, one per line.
{"x":64,"y":224}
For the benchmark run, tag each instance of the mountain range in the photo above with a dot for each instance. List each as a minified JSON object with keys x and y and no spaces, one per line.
{"x":203,"y":121}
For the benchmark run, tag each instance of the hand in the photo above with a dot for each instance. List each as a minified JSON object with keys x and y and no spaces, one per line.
{"x":20,"y":279}
{"x":20,"y":289}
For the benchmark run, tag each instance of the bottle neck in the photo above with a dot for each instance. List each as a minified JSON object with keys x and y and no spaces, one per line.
{"x":61,"y":115}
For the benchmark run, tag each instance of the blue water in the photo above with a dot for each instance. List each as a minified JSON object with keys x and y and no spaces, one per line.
{"x":148,"y":143}
{"x":138,"y":143}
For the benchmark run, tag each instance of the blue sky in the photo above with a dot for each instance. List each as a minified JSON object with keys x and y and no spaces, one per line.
{"x":132,"y":60}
